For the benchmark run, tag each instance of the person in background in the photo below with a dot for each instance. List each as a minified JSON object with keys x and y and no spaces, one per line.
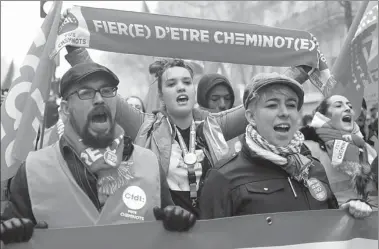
{"x":215,"y":93}
{"x":374,"y":112}
{"x":136,"y":102}
{"x":335,"y":140}
{"x":52,"y":114}
{"x":92,"y":176}
{"x":274,"y":171}
{"x":307,"y":119}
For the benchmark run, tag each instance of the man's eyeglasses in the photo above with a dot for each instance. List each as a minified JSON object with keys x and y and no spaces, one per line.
{"x":89,"y":93}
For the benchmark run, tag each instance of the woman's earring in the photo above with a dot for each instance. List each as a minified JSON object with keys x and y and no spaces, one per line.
{"x":252,"y":122}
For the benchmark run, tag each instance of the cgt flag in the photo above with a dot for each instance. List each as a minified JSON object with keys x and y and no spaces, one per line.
{"x":358,"y":76}
{"x":23,"y":109}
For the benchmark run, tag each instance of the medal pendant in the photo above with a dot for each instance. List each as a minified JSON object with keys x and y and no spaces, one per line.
{"x":317,"y":189}
{"x":110,"y":158}
{"x":190,"y":158}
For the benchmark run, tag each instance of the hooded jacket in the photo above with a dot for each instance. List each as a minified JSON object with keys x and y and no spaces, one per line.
{"x":206,"y":83}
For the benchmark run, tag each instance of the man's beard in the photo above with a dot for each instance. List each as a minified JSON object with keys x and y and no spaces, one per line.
{"x":99,"y":140}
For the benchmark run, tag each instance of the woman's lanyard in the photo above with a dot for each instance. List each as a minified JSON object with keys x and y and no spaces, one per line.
{"x":190,"y":159}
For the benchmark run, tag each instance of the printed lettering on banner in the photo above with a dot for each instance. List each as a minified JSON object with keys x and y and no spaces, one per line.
{"x":339,"y":150}
{"x":135,"y":199}
{"x":73,"y":31}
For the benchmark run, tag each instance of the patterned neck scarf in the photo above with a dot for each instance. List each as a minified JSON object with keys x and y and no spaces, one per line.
{"x":109,"y":177}
{"x":287,"y":157}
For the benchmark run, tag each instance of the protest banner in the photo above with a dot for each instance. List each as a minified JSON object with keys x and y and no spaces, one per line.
{"x":187,"y":38}
{"x":325,"y":229}
{"x":23,"y":109}
{"x":198,"y":39}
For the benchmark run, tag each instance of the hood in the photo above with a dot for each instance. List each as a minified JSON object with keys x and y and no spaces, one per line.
{"x":206,"y":83}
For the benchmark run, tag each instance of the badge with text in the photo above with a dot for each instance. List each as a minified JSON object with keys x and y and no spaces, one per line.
{"x":317,"y":189}
{"x":135,"y":199}
{"x":110,"y":158}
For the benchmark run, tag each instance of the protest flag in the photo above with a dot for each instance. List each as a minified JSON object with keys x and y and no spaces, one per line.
{"x":350,"y":69}
{"x":23,"y":109}
{"x":145,"y":8}
{"x":8,"y":77}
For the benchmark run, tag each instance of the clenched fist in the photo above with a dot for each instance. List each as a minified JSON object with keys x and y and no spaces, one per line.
{"x":18,"y":230}
{"x":175,"y":218}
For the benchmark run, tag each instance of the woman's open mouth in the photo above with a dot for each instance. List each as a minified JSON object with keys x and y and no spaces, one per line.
{"x":283,"y":128}
{"x":347,"y":119}
{"x":182,"y":99}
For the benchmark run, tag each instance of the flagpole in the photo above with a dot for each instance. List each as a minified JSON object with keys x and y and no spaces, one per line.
{"x":42,"y":134}
{"x":339,"y":63}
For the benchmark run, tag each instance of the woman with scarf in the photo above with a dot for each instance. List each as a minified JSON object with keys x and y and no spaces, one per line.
{"x":335,"y":140}
{"x":274,"y":171}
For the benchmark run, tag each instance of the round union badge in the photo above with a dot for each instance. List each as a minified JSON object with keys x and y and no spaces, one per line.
{"x":110,"y":158}
{"x":134,"y":197}
{"x":190,"y":158}
{"x":317,"y":189}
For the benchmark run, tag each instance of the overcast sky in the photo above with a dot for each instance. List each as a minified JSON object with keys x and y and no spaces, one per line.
{"x":21,"y":19}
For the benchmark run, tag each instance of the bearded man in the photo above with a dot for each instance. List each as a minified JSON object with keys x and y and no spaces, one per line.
{"x":93,"y":175}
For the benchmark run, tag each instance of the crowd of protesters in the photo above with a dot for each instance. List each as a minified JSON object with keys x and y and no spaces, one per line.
{"x":117,"y":164}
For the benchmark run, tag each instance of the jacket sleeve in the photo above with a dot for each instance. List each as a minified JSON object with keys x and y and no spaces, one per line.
{"x":232,"y":122}
{"x":166,"y":199}
{"x":77,"y":55}
{"x":215,"y":201}
{"x":129,"y":118}
{"x":19,"y":204}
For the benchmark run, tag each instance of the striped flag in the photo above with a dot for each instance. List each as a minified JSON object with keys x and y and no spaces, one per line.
{"x":23,"y":110}
{"x":358,"y":76}
{"x":8,"y":77}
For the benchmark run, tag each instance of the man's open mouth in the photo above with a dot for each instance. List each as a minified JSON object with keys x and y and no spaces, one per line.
{"x":100,"y":120}
{"x":282,"y":127}
{"x":101,"y":117}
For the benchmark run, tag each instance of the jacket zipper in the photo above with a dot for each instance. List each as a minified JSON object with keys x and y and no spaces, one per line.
{"x":293,"y":189}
